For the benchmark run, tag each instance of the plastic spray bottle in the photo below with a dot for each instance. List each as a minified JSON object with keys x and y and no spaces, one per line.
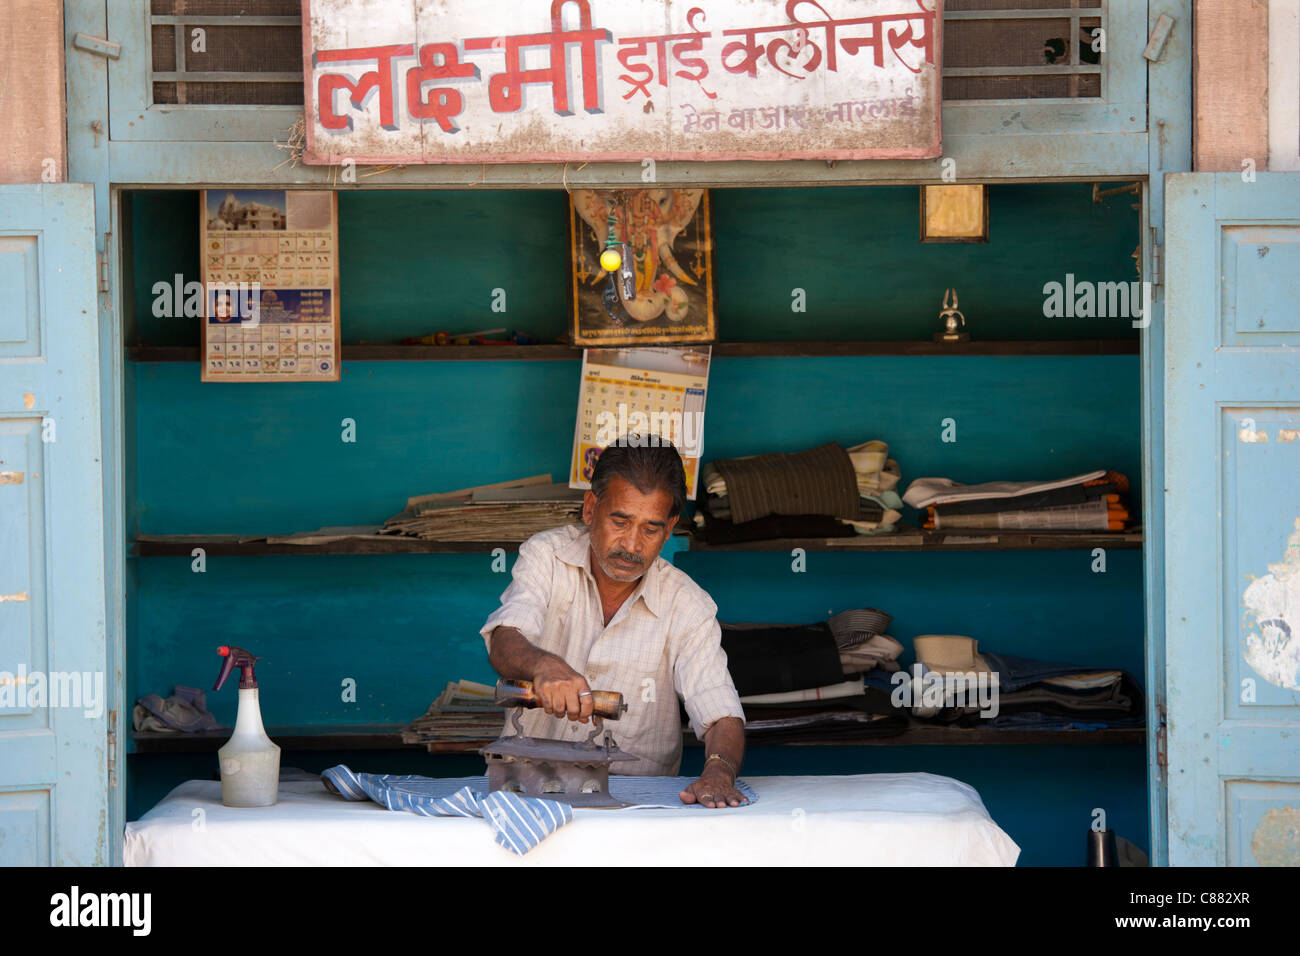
{"x":250,"y":761}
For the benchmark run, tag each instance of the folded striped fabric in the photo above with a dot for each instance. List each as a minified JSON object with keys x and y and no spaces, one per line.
{"x":520,"y":822}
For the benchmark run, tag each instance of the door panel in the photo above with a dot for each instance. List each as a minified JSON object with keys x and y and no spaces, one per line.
{"x":53,"y":676}
{"x":1232,"y":453}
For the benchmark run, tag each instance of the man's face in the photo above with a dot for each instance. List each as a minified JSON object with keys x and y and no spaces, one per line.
{"x":627,"y":528}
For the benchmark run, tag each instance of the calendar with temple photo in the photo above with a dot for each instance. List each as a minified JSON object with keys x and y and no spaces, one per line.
{"x":270,"y":280}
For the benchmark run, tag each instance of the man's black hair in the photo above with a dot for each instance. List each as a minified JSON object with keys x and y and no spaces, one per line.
{"x":649,"y":463}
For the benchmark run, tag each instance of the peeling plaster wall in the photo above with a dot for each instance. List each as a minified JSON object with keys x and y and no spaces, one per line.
{"x":32,"y":104}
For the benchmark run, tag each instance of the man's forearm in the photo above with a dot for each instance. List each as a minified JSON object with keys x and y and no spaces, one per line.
{"x":513,"y":656}
{"x":726,"y":738}
{"x":561,"y":691}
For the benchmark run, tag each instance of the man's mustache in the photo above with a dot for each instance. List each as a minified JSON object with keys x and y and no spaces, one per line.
{"x":624,"y":556}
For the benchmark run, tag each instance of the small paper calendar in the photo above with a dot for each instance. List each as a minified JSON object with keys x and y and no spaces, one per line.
{"x":655,"y":392}
{"x":270,"y":277}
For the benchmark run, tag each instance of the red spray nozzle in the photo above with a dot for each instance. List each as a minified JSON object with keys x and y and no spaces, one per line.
{"x":237,"y":657}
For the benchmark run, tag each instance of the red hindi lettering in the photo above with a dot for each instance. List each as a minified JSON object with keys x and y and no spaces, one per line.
{"x":630,"y":47}
{"x":749,"y":47}
{"x":901,"y":36}
{"x":380,"y":78}
{"x":442,"y":103}
{"x":681,"y":43}
{"x":506,"y":90}
{"x":693,"y":43}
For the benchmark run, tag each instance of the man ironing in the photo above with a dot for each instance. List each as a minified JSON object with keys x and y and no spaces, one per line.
{"x":597,"y":607}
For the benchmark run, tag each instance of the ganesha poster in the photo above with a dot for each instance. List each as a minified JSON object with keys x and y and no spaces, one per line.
{"x":662,"y":288}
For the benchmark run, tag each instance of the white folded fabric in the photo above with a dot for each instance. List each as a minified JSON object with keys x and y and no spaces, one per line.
{"x":850,"y":688}
{"x":888,"y":517}
{"x":1085,"y":681}
{"x":880,"y":651}
{"x":869,"y":456}
{"x":924,"y":492}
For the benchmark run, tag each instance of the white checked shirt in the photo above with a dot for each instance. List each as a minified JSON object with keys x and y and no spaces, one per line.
{"x":664,"y":641}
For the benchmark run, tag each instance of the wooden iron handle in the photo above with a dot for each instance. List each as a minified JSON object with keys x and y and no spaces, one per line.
{"x":520,"y":693}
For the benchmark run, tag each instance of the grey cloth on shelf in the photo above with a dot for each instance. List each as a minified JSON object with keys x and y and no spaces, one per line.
{"x":856,"y":625}
{"x":185,"y":711}
{"x":820,"y":481}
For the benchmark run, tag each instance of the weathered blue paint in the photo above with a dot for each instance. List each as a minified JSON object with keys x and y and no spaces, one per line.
{"x":1231,"y":453}
{"x":53,"y":747}
{"x":88,"y":162}
{"x":1170,"y":149}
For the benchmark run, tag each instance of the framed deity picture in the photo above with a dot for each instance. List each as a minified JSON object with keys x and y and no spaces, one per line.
{"x":642,"y":267}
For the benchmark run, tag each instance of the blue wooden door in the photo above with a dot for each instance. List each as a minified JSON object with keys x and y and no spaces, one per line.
{"x":53,"y":677}
{"x":1232,"y":526}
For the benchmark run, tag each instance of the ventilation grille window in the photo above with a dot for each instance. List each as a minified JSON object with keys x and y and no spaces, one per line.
{"x":249,"y":52}
{"x":1022,"y":49}
{"x":245,"y":53}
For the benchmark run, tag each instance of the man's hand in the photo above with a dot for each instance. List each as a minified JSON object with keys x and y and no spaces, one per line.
{"x":562,"y":691}
{"x":715,"y":788}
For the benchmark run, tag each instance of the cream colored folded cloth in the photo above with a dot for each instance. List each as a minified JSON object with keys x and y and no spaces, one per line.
{"x":950,"y":654}
{"x":880,"y":651}
{"x":850,"y":688}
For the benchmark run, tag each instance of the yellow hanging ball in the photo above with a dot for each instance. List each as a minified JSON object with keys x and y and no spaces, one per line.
{"x":610,"y":260}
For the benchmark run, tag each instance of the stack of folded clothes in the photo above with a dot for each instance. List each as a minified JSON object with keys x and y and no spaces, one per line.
{"x":825,"y":492}
{"x":792,"y":678}
{"x":1017,"y":693}
{"x":1095,"y":501}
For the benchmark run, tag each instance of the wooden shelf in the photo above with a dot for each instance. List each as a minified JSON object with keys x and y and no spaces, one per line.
{"x":302,"y":737}
{"x":229,"y":545}
{"x":497,"y":353}
{"x":232,"y":545}
{"x":921,"y":735}
{"x":389,"y":737}
{"x":941,"y":541}
{"x":923,"y":347}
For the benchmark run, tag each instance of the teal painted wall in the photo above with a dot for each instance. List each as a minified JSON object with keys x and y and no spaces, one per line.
{"x":260,"y":459}
{"x":413,"y":262}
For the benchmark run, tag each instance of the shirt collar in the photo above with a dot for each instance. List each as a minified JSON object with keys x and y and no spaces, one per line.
{"x":578,"y":554}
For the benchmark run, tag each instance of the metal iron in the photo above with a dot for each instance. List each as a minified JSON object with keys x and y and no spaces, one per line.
{"x":576,"y":773}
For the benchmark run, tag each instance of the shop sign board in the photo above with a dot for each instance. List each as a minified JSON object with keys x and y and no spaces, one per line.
{"x":463,"y":81}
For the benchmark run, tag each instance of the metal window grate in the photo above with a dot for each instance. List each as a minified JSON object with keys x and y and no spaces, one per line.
{"x":993,"y":50}
{"x":239,"y":58}
{"x":1022,"y":49}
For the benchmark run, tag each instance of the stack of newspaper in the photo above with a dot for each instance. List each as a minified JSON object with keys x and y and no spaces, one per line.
{"x":463,"y":717}
{"x":505,"y":511}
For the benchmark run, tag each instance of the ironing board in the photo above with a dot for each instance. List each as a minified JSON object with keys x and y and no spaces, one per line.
{"x":891,"y":819}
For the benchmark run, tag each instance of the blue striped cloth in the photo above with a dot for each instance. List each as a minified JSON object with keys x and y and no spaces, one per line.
{"x":520,"y":822}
